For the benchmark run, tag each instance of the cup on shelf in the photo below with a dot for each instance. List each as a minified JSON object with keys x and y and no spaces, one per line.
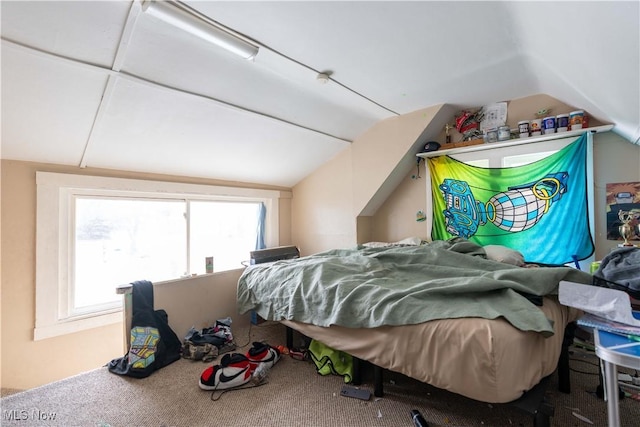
{"x":575,"y":119}
{"x":562,"y":122}
{"x":523,"y":128}
{"x":491,"y":135}
{"x":535,"y":127}
{"x":549,"y":125}
{"x":504,"y":133}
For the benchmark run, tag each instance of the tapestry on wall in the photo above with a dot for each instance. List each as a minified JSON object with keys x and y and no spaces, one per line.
{"x":539,"y":209}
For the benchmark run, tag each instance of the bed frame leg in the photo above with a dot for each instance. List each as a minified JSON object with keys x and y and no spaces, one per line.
{"x":377,"y":381}
{"x":542,"y":418}
{"x":564,"y":380}
{"x":357,"y":371}
{"x":289,"y":336}
{"x":533,"y":402}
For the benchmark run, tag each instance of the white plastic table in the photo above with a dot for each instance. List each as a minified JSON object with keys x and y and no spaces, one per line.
{"x":615,"y":350}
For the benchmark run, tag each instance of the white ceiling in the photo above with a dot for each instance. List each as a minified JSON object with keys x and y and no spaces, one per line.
{"x":106,"y":85}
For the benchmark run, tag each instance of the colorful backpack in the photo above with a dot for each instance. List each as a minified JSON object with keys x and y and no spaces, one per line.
{"x":153,"y":342}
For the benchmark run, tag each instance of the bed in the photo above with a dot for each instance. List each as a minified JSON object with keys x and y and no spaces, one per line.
{"x":442,"y":313}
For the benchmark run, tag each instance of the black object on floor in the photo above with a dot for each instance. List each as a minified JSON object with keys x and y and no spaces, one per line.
{"x":418,"y":419}
{"x":357,"y":393}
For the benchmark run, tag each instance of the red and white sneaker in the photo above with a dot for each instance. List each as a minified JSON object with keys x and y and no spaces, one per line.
{"x":234,"y":370}
{"x":261,"y":353}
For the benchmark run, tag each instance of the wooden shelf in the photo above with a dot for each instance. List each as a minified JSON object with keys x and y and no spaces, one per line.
{"x":514,"y":142}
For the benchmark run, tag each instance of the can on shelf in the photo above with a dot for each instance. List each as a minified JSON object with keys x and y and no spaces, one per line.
{"x":504,"y":133}
{"x":536,"y":127}
{"x":575,"y":119}
{"x":549,"y":125}
{"x":492,"y":135}
{"x":562,"y":122}
{"x":523,"y":128}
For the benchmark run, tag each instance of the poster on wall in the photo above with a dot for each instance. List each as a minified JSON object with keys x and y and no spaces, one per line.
{"x":539,"y":209}
{"x":623,"y":203}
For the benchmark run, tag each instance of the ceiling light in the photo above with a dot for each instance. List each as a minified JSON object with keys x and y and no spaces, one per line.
{"x":187,"y":19}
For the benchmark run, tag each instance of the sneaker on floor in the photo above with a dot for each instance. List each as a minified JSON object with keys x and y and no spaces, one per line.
{"x":261,"y":353}
{"x":234,"y":370}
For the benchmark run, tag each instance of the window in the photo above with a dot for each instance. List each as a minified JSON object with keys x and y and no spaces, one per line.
{"x":525,"y":159}
{"x":96,"y":233}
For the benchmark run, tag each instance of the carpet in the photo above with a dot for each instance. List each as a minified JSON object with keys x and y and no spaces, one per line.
{"x":294,"y":395}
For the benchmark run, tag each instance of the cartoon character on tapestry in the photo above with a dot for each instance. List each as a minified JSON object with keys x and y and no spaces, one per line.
{"x":539,"y":209}
{"x":623,"y":205}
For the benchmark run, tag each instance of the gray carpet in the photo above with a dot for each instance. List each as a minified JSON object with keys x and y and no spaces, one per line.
{"x":294,"y":395}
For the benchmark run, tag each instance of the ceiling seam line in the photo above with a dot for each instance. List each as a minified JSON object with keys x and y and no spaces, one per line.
{"x":101,"y":111}
{"x":127,"y":34}
{"x":229,"y":105}
{"x":366,"y":98}
{"x":110,"y":72}
{"x":119,"y":57}
{"x":54,"y":56}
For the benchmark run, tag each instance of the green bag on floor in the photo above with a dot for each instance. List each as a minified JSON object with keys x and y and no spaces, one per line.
{"x":330,"y":361}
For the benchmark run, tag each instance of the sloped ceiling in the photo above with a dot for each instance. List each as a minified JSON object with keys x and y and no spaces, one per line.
{"x":106,"y":85}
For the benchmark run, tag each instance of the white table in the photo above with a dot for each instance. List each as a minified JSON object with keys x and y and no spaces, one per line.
{"x":615,"y":350}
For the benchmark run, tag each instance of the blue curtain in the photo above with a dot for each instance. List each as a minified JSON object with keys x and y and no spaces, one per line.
{"x":262,"y":214}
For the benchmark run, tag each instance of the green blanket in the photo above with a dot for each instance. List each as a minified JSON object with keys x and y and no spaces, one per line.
{"x":370,"y":287}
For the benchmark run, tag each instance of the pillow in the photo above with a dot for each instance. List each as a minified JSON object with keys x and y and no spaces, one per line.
{"x":409,"y":241}
{"x":504,"y":254}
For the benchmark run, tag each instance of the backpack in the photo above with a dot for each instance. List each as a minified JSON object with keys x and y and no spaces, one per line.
{"x":153,"y":343}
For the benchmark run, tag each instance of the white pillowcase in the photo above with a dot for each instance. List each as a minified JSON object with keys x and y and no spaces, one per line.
{"x":504,"y":254}
{"x":409,"y":241}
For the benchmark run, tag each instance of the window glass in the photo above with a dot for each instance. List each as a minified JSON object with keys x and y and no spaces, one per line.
{"x":119,"y":240}
{"x":525,"y":159}
{"x":481,"y":163}
{"x":226,"y":231}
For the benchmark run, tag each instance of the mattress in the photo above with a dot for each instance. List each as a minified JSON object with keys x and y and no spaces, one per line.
{"x":483,"y":359}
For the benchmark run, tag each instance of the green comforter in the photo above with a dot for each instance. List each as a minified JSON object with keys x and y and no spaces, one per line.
{"x":366,"y":287}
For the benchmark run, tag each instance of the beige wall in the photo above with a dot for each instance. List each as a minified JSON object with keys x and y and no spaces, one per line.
{"x":396,"y":218}
{"x":27,"y":363}
{"x":379,"y":157}
{"x":200,"y":301}
{"x":322,"y":205}
{"x":331,"y":207}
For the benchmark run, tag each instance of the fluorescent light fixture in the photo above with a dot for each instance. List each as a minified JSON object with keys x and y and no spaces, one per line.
{"x":187,"y":19}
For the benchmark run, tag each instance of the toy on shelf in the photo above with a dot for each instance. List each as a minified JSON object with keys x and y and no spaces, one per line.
{"x":468,"y":124}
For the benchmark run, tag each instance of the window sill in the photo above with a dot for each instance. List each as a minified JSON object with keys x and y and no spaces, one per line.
{"x":76,"y":325}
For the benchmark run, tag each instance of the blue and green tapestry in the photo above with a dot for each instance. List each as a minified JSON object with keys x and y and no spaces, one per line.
{"x":539,"y":209}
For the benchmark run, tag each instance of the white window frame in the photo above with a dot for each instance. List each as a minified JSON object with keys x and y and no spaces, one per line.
{"x":55,"y":194}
